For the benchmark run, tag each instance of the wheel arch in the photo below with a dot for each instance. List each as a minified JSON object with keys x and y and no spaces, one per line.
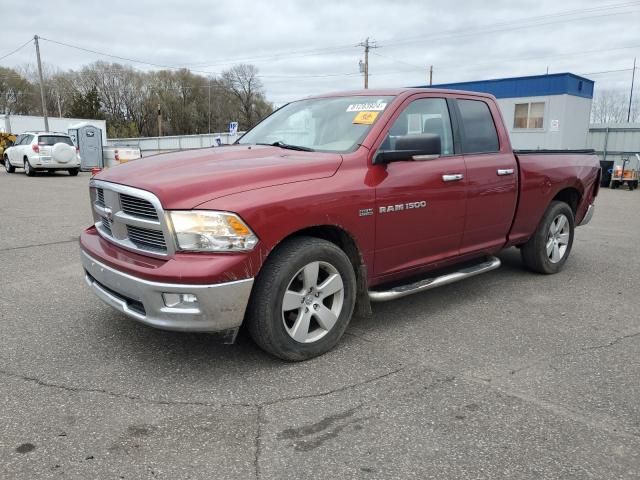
{"x":343,"y":239}
{"x":571,"y":196}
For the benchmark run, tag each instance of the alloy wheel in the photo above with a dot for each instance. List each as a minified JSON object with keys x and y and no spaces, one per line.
{"x":558,"y":238}
{"x":312,"y":302}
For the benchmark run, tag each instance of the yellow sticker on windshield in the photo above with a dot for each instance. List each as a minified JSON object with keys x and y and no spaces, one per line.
{"x":365,"y":118}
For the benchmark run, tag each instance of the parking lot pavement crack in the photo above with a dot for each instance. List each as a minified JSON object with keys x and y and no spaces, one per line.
{"x":258,"y":440}
{"x":137,"y":398}
{"x":22,"y":247}
{"x":606,"y":425}
{"x":134,"y":398}
{"x":335,"y":390}
{"x":613,"y":342}
{"x":547,"y":360}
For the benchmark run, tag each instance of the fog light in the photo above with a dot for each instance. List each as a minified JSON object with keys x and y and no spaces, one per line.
{"x":180,"y":300}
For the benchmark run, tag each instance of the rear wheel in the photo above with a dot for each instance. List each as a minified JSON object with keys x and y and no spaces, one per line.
{"x":7,"y":165}
{"x":28,"y":169}
{"x":73,"y":171}
{"x":302,"y":300}
{"x":549,"y":247}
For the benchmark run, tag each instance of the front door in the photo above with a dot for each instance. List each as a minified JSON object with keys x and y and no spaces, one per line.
{"x":420,"y":204}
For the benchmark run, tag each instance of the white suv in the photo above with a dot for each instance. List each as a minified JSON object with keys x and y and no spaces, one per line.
{"x":35,"y":151}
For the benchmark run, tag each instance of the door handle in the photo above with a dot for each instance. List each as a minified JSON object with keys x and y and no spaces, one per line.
{"x":452,"y":177}
{"x":504,"y":171}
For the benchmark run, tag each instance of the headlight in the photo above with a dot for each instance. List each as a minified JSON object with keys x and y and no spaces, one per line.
{"x":208,"y":231}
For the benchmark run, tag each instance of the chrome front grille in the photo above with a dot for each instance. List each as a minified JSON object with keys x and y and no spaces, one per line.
{"x":131,"y":218}
{"x":100,"y":196}
{"x":145,"y":238}
{"x":137,"y":207}
{"x":106,"y":225}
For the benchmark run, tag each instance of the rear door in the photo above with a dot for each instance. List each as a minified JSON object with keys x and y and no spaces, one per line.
{"x":420,"y":204}
{"x":492,"y":176}
{"x":46,"y":143}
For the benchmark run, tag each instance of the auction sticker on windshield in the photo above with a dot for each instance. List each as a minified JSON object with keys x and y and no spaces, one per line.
{"x":365,"y":118}
{"x":363,"y":107}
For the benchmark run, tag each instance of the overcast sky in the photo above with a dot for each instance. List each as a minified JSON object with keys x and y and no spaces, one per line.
{"x":308,"y":47}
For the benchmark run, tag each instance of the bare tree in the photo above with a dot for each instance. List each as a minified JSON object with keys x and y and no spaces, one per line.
{"x":612,"y":106}
{"x":243,"y":82}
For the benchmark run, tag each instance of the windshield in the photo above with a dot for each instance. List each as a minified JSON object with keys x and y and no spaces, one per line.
{"x":335,"y":124}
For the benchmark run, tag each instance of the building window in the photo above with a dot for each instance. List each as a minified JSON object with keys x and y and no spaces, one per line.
{"x":529,"y":115}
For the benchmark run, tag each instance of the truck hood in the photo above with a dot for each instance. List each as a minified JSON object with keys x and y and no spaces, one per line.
{"x":186,"y":179}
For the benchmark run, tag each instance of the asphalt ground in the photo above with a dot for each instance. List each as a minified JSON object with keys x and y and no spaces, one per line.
{"x":505,"y":375}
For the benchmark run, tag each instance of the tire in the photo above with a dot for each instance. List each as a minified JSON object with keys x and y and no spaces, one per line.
{"x":73,"y":172}
{"x":292,"y":273}
{"x":549,"y":247}
{"x":28,"y":169}
{"x":7,"y":166}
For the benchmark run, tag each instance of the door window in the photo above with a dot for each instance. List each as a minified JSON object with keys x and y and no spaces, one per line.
{"x":423,"y":116}
{"x":480,"y":135}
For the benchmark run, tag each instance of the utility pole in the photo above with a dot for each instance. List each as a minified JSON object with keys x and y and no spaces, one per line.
{"x":431,"y":75}
{"x":59,"y":106}
{"x":209,"y":81}
{"x":633,"y":77}
{"x":159,"y":121}
{"x":367,"y":45}
{"x":44,"y":102}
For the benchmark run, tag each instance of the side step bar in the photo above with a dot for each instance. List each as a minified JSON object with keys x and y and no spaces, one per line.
{"x":429,"y":283}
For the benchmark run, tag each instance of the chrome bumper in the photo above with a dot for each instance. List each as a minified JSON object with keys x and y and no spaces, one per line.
{"x":218,"y":308}
{"x":587,"y":216}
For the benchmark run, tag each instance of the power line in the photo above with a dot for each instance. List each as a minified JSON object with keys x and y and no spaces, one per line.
{"x":158,"y":65}
{"x":518,"y":23}
{"x":17,"y":49}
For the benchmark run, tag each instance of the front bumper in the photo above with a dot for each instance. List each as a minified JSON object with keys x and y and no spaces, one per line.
{"x":219,"y":307}
{"x":587,"y":216}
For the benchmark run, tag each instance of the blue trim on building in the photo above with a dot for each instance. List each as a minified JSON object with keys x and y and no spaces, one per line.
{"x":533,"y":86}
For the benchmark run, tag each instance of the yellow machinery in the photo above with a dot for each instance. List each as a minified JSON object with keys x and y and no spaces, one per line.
{"x":6,"y":140}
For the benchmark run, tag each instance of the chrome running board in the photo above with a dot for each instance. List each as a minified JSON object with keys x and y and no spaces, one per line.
{"x":429,"y":283}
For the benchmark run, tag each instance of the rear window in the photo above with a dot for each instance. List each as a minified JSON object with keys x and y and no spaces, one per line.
{"x":480,"y":135}
{"x":53,"y":139}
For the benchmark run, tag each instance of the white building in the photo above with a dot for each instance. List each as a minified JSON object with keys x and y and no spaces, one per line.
{"x":542,"y":111}
{"x":18,"y":124}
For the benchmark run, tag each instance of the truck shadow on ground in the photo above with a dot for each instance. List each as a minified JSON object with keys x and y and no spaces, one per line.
{"x":167,"y":348}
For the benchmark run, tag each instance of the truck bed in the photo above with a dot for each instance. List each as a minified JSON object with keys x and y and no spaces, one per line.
{"x":545,"y":174}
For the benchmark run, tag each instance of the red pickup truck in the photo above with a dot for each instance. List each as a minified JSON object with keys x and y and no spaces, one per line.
{"x":328,"y":204}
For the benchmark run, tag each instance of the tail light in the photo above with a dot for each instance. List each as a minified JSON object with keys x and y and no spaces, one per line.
{"x":77,"y":150}
{"x":35,"y":147}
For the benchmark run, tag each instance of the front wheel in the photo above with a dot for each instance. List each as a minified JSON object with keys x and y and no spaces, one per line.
{"x":549,"y":247}
{"x":302,"y":300}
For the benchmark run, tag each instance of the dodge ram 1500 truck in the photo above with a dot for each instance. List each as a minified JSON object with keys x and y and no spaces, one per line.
{"x":330,"y":203}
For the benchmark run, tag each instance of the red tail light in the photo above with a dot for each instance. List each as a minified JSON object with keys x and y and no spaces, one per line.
{"x":35,"y":148}
{"x":77,"y":149}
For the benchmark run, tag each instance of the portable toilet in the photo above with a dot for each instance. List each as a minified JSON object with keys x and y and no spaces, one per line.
{"x":88,"y":139}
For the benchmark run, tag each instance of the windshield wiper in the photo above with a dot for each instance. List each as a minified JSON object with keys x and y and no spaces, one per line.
{"x":281,"y":144}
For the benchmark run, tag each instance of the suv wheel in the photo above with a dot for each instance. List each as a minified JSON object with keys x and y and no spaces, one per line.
{"x":549,"y":247}
{"x":7,"y":165}
{"x":73,"y":171}
{"x":28,"y":169}
{"x":302,"y":300}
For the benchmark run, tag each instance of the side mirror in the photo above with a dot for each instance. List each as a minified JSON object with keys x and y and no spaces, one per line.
{"x":426,"y":146}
